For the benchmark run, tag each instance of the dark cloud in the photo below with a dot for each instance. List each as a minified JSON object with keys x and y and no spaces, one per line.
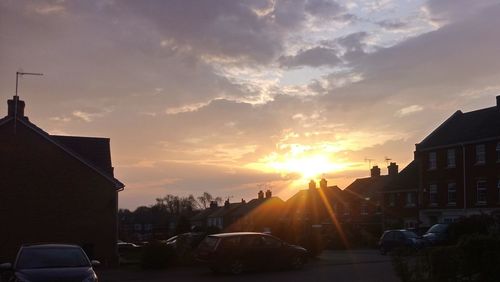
{"x":392,"y":24}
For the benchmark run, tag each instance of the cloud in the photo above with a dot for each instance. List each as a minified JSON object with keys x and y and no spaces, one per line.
{"x":314,"y":57}
{"x":408,"y":110}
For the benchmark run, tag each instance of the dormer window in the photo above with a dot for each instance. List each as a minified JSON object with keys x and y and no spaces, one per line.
{"x":480,"y":154}
{"x":432,"y":160}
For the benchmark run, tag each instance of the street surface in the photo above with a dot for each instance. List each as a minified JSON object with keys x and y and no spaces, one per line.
{"x":338,"y":266}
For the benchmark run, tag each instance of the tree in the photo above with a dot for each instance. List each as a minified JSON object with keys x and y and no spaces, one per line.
{"x":205,"y":200}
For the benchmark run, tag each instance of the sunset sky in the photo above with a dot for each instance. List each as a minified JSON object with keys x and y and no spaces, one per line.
{"x":231,"y":96}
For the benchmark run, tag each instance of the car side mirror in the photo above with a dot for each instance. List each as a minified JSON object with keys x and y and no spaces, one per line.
{"x":95,"y":263}
{"x":5,"y":266}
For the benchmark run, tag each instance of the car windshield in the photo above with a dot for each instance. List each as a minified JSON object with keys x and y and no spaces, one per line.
{"x":30,"y":258}
{"x":410,"y":234}
{"x":438,"y":228}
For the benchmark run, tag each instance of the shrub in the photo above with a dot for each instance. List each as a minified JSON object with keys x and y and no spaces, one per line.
{"x":156,"y":255}
{"x":481,"y":257}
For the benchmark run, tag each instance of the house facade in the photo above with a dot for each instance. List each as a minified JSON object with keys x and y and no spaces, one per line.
{"x":459,"y":167}
{"x":55,"y":189}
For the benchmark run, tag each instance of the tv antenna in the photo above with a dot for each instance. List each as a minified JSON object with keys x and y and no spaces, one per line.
{"x":387,"y":159}
{"x":16,"y":97}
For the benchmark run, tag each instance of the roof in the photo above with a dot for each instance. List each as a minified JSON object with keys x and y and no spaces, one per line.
{"x":95,"y":150}
{"x":464,"y":128}
{"x":253,"y":204}
{"x":204,"y":214}
{"x":75,"y":147}
{"x":222,"y":211}
{"x":366,"y":187}
{"x":329,"y":192}
{"x":49,"y":246}
{"x":407,"y":179}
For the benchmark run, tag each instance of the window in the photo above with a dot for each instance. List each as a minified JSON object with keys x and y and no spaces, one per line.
{"x":410,"y":199}
{"x":433,"y":195}
{"x":480,"y":155}
{"x":432,"y":160}
{"x":498,"y":152}
{"x":481,"y":192}
{"x":450,"y":158}
{"x":364,"y":208}
{"x":452,"y":193}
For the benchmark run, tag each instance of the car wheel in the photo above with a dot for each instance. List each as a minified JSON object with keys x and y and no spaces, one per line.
{"x":297,"y":262}
{"x":236,"y":267}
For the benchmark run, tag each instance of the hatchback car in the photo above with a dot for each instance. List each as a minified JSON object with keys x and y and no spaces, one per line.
{"x":393,"y":239}
{"x":240,"y":251}
{"x":51,"y":262}
{"x":438,"y":234}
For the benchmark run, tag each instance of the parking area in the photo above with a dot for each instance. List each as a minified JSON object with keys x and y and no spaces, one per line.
{"x":355,"y":265}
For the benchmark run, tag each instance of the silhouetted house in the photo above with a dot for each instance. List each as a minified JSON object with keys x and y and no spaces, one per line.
{"x":314,"y":210}
{"x":399,"y":205}
{"x":200,"y":220}
{"x":364,"y":197}
{"x":261,"y":215}
{"x":55,"y":189}
{"x":459,"y":165}
{"x":223,"y":217}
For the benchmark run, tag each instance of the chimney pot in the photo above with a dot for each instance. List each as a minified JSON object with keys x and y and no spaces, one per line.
{"x":375,"y":171}
{"x":322,"y":183}
{"x":15,"y":105}
{"x":261,"y":194}
{"x":269,"y":194}
{"x":393,"y":169}
{"x":312,"y":185}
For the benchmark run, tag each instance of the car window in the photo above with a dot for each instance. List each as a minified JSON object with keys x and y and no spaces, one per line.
{"x":438,"y":228}
{"x":409,"y":234}
{"x":51,"y":258}
{"x":270,"y":242}
{"x":230,"y":242}
{"x":208,"y":243}
{"x":251,"y":241}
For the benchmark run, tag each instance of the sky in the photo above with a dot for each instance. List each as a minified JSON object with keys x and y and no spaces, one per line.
{"x":231,"y":97}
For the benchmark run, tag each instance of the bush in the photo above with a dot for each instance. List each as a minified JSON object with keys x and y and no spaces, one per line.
{"x":156,"y":255}
{"x":481,"y":257}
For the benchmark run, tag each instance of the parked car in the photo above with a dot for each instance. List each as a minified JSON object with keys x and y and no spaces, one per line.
{"x":392,"y":239}
{"x":241,"y":251}
{"x":51,"y":262}
{"x":129,"y":253}
{"x":438,"y":234}
{"x":183,"y":246}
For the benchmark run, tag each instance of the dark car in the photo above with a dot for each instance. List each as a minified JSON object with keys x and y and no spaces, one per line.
{"x":240,"y":251}
{"x":51,"y":262}
{"x":183,"y":245}
{"x":438,"y":234}
{"x":393,"y":239}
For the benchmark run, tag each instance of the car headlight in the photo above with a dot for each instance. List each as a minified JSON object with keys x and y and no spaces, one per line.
{"x":91,"y":278}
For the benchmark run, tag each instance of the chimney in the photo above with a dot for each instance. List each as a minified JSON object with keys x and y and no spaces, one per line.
{"x":15,"y":105}
{"x":312,"y":185}
{"x":498,"y":102}
{"x":393,"y":169}
{"x":269,"y":194}
{"x":226,"y":203}
{"x":260,"y":195}
{"x":375,"y":171}
{"x":322,"y":183}
{"x":243,"y":201}
{"x":213,"y":204}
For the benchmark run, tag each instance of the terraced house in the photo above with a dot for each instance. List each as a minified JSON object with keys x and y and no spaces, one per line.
{"x":459,"y":167}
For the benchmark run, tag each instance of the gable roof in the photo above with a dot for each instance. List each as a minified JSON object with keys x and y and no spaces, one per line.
{"x":464,"y":128}
{"x":255,"y":203}
{"x":407,"y":179}
{"x":77,"y":142}
{"x":368,"y":186}
{"x":224,"y":210}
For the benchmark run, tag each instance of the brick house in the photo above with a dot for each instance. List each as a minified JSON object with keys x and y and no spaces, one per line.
{"x":364,"y":198}
{"x":55,"y":189}
{"x":399,"y":204}
{"x":459,"y":166}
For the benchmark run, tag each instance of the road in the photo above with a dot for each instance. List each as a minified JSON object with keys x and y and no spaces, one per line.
{"x":338,"y":266}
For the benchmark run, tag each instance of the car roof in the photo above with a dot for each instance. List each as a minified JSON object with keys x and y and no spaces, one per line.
{"x":49,"y":246}
{"x":220,"y":235}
